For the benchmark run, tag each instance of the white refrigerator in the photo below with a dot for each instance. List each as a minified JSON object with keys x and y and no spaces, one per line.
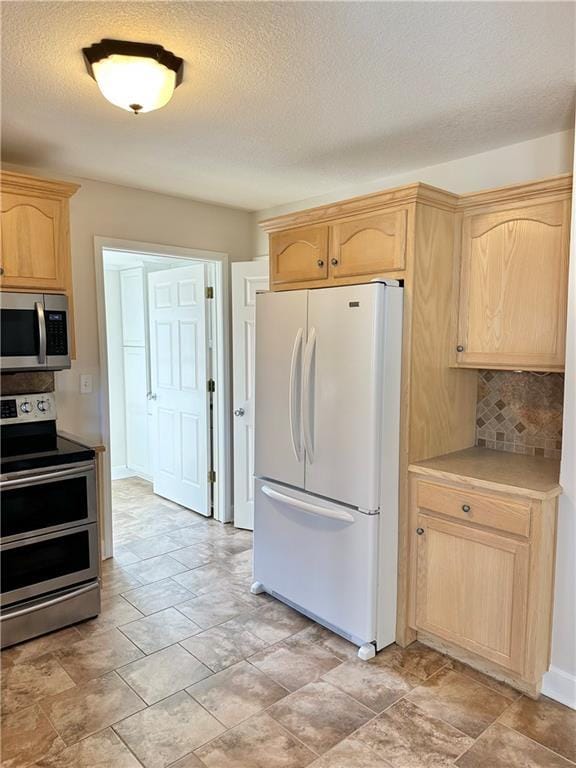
{"x":328,"y":365}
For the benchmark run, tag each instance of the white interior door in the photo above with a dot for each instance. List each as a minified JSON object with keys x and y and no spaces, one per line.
{"x":247,"y":278}
{"x":180,"y":372}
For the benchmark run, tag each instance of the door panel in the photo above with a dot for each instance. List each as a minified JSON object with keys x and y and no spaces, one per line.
{"x":180,"y":373}
{"x":513,"y":287}
{"x":342,"y":402}
{"x":299,"y":255}
{"x":368,"y":246}
{"x":137,"y":453}
{"x":247,"y":278}
{"x":133,"y":307}
{"x":280,"y":322}
{"x":30,"y":254}
{"x":471,"y":589}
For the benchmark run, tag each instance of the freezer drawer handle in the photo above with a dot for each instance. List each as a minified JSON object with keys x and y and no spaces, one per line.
{"x":294,"y":395}
{"x":306,"y":506}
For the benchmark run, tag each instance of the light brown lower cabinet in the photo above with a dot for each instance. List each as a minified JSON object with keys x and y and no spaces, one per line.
{"x":482,"y":573}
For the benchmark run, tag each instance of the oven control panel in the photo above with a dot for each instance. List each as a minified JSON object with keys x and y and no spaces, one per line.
{"x":17,"y":409}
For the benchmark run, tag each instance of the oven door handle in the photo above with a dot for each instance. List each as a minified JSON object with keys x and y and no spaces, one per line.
{"x":39,"y":306}
{"x":35,"y":479}
{"x":48,"y":603}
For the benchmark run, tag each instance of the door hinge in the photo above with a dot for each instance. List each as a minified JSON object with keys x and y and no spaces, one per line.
{"x":211,"y":476}
{"x":209,"y":292}
{"x":211,"y":385}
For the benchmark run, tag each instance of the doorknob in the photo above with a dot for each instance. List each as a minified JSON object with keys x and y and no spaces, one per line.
{"x":239,"y":412}
{"x":151,"y":395}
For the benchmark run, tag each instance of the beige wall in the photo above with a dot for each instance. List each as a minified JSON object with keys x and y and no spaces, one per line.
{"x":546,"y":156}
{"x":113,"y":211}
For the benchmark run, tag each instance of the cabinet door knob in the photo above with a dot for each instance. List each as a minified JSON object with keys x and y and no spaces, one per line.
{"x":419,"y":531}
{"x":334,"y":262}
{"x":465,"y":507}
{"x":1,"y":270}
{"x":320,"y":262}
{"x":459,"y":348}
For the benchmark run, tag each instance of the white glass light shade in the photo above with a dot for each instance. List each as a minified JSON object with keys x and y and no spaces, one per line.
{"x":134,"y":83}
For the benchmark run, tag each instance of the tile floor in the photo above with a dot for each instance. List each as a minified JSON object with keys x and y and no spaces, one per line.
{"x":186,"y":668}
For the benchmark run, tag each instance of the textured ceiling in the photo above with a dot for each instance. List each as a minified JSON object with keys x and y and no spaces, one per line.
{"x":282,"y":101}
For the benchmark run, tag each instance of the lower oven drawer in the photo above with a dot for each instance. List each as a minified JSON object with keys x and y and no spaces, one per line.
{"x":46,"y":501}
{"x":34,"y":566}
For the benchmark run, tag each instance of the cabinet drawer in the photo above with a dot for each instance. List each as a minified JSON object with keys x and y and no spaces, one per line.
{"x":486,"y":509}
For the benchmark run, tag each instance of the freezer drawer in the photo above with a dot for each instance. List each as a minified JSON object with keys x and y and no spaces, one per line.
{"x":318,"y":555}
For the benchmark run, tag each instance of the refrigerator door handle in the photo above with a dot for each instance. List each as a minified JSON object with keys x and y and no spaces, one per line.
{"x":307,"y":506}
{"x":294,"y":395}
{"x":308,"y":395}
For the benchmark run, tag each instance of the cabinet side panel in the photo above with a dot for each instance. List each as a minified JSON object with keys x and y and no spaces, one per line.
{"x":442,"y":400}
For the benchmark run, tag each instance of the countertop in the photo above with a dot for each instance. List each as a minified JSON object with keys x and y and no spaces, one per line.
{"x":533,"y":476}
{"x":94,"y":444}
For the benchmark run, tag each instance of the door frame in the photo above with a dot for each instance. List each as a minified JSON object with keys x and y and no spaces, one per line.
{"x":220,"y":318}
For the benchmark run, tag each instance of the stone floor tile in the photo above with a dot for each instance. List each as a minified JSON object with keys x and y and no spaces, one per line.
{"x":95,"y":655}
{"x":103,"y":750}
{"x":115,"y":611}
{"x":155,"y":568}
{"x":546,"y":721}
{"x":168,"y":731}
{"x":237,"y":693}
{"x":153,"y":546}
{"x":27,"y":736}
{"x":163,"y":673}
{"x":91,"y":707}
{"x":460,"y":701}
{"x":212,"y":608}
{"x":480,"y":677}
{"x":320,"y":715}
{"x":293,"y":665}
{"x":270,"y":623}
{"x":374,"y":686}
{"x":256,"y":743}
{"x":221,"y":647}
{"x":407,"y":737}
{"x":25,"y":683}
{"x":159,"y":630}
{"x":193,"y":557}
{"x":205,"y":578}
{"x":500,"y":747}
{"x":417,"y":660}
{"x":152,"y":598}
{"x":39,"y":646}
{"x":350,"y":753}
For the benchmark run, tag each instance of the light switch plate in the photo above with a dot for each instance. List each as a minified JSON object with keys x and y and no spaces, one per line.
{"x":85,"y":383}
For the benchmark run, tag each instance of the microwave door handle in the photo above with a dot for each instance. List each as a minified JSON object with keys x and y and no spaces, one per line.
{"x":39,"y":306}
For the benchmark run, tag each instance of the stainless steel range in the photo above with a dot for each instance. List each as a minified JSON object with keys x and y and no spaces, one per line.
{"x":48,"y":526}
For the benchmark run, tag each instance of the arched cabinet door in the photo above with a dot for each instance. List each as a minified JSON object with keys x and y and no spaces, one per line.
{"x":31,"y":253}
{"x":368,"y":246}
{"x":299,"y":256}
{"x":513,"y":287}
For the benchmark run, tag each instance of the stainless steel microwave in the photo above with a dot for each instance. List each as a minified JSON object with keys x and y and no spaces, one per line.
{"x":34,"y":332}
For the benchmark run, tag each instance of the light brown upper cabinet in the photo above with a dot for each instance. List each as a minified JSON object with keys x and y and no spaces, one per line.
{"x":368,"y":246}
{"x":30,"y":255}
{"x":299,"y":256}
{"x":35,"y":245}
{"x":513,"y":285}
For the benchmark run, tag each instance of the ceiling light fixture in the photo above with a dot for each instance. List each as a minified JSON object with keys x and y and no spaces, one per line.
{"x":138,"y":77}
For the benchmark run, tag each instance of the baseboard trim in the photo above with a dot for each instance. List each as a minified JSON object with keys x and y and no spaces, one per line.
{"x":121,"y":473}
{"x":560,"y":686}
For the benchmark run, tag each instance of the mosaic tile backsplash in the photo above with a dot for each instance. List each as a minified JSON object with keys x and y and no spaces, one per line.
{"x":520,"y":412}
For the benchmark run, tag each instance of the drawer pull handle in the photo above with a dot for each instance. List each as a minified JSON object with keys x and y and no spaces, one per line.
{"x":465,"y":508}
{"x":419,"y":531}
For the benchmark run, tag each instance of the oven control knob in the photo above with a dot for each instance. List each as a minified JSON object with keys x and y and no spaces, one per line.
{"x":43,"y":405}
{"x":26,"y":406}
